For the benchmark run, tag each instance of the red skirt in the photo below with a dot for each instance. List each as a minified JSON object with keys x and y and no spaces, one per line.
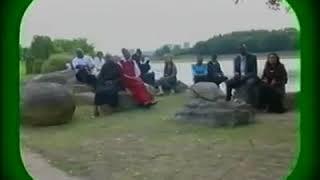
{"x":138,"y":90}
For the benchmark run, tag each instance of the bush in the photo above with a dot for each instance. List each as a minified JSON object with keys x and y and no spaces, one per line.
{"x":56,"y":62}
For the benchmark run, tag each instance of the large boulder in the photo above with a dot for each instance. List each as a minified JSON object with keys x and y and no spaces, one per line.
{"x":206,"y":90}
{"x":45,"y":104}
{"x":60,"y":77}
{"x":216,"y":114}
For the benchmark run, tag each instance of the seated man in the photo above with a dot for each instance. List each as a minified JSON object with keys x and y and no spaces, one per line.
{"x":199,"y":71}
{"x":130,"y":78}
{"x":144,"y":66}
{"x":215,"y":73}
{"x":245,"y":73}
{"x":83,"y":67}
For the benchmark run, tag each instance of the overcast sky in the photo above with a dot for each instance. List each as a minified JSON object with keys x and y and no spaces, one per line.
{"x":147,"y":24}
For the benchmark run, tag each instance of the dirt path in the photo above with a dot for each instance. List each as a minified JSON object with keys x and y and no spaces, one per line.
{"x":40,"y":169}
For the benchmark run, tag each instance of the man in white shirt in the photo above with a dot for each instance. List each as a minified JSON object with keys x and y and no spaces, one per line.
{"x":83,"y":66}
{"x":98,"y":62}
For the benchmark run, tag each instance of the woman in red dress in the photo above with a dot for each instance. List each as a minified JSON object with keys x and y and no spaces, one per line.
{"x":132,"y":82}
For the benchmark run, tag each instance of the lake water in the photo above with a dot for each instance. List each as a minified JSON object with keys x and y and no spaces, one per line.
{"x":185,"y":74}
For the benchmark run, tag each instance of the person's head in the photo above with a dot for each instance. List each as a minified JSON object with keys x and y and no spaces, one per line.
{"x":243,"y":49}
{"x":126,"y":53}
{"x":199,"y":59}
{"x":273,"y":59}
{"x":168,"y":60}
{"x":139,"y":52}
{"x":116,"y":59}
{"x":99,"y":54}
{"x":214,"y":57}
{"x":79,"y":53}
{"x":108,"y":57}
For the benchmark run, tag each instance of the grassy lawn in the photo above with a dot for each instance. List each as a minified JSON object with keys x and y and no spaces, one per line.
{"x":148,"y":144}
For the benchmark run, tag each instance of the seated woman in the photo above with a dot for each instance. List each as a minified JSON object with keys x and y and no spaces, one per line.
{"x":215,"y":73}
{"x":272,"y":90}
{"x":108,"y":85}
{"x":169,"y":79}
{"x":199,"y":71}
{"x":83,"y":66}
{"x":130,"y":77}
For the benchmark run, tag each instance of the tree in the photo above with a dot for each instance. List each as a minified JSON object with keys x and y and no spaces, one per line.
{"x":69,"y":46}
{"x":162,"y":51}
{"x":41,"y":47}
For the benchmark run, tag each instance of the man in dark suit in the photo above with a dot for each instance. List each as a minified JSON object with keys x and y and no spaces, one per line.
{"x":245,"y":72}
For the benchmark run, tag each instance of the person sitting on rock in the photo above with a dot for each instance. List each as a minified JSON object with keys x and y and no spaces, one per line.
{"x":245,"y":74}
{"x":215,"y":73}
{"x":131,"y":80}
{"x":108,"y":85}
{"x":83,"y":66}
{"x":169,"y":79}
{"x":98,"y":62}
{"x":144,"y":66}
{"x":199,"y":71}
{"x":272,"y":90}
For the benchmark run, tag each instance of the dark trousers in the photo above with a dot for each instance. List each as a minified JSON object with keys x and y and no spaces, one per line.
{"x":217,"y":79}
{"x":250,"y":83}
{"x":84,"y":77}
{"x":197,"y":79}
{"x":271,"y":98}
{"x":149,"y":78}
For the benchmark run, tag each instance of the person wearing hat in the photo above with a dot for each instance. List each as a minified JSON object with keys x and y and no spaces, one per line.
{"x":132,"y":82}
{"x":245,"y":73}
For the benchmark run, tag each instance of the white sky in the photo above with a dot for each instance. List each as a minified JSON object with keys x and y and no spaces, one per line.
{"x":148,"y":24}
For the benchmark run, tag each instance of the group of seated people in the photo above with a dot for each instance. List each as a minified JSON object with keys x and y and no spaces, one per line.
{"x":110,"y":74}
{"x":266,"y":92}
{"x":113,"y":74}
{"x":210,"y":72}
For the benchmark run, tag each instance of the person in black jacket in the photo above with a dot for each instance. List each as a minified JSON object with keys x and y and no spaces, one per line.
{"x":215,"y":73}
{"x":272,"y":90}
{"x":108,"y":85}
{"x":245,"y":73}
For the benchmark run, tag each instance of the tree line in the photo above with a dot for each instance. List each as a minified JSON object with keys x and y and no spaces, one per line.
{"x":45,"y":54}
{"x":256,"y":40}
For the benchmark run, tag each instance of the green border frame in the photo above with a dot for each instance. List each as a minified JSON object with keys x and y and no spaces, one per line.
{"x":13,"y":11}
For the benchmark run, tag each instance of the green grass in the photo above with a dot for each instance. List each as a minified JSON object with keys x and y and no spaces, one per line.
{"x":148,"y":144}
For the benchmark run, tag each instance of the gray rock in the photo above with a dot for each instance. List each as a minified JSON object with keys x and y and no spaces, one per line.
{"x":216,"y":114}
{"x":45,"y":104}
{"x":181,"y":87}
{"x":206,"y":90}
{"x":60,"y":77}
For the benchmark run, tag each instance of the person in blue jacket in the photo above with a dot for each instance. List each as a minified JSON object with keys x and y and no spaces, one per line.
{"x":199,"y":71}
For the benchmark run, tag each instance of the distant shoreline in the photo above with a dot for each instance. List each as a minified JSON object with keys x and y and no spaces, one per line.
{"x":223,"y":57}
